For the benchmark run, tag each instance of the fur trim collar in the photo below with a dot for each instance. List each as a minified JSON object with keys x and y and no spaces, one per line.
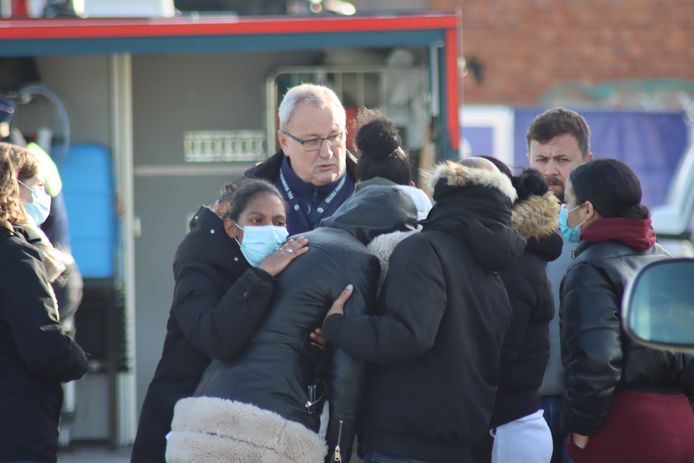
{"x":383,"y":246}
{"x":537,"y":216}
{"x":460,"y":175}
{"x":207,"y":429}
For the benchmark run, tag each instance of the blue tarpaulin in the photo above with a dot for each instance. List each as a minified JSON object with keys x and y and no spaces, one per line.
{"x":89,"y":197}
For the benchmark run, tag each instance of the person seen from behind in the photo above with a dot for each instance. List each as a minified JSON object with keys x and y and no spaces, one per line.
{"x":382,"y":159}
{"x":437,"y":345}
{"x":520,"y":432}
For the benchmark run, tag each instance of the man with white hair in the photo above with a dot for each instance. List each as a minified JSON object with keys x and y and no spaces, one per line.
{"x":313,"y":169}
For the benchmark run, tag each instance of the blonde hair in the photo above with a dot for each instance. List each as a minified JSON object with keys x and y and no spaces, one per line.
{"x":11,"y":209}
{"x":26,"y":164}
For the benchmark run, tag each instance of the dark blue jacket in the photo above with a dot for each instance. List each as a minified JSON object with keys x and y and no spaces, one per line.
{"x":308,"y":196}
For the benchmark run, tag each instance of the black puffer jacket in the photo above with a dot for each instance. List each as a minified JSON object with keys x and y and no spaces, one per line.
{"x":598,"y":357}
{"x":279,"y":363}
{"x":35,"y":357}
{"x":526,"y":346}
{"x":218,"y":301}
{"x":439,"y":342}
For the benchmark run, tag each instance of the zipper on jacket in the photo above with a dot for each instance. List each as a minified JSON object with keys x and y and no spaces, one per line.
{"x":337,"y":456}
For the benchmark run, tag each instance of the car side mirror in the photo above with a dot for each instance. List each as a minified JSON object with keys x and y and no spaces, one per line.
{"x":658,"y":305}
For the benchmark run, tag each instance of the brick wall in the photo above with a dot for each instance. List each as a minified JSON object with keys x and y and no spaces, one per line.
{"x":526,"y":47}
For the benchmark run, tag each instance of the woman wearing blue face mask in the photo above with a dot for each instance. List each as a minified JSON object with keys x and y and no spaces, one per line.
{"x":37,"y":202}
{"x":35,"y":356}
{"x":265,"y":404}
{"x":224,"y":273}
{"x":623,"y":402}
{"x":37,"y":205}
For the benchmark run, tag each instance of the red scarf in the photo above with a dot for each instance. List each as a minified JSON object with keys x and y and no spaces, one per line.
{"x":638,"y":234}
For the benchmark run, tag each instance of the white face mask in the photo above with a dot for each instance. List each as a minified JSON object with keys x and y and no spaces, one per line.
{"x":40,"y":205}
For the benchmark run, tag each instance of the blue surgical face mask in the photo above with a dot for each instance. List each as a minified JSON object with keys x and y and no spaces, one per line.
{"x":40,"y":205}
{"x":261,"y":241}
{"x":572,"y":234}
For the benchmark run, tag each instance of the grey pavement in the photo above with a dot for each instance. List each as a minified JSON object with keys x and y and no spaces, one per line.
{"x":94,"y":453}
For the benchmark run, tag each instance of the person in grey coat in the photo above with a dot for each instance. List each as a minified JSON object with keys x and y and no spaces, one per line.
{"x":558,"y":141}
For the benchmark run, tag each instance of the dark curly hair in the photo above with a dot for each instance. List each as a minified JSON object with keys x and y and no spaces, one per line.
{"x":529,"y":183}
{"x":235,"y":196}
{"x":11,"y":210}
{"x":380,"y":149}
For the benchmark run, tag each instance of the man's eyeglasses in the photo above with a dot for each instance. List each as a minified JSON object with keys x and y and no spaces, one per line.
{"x":314,"y":144}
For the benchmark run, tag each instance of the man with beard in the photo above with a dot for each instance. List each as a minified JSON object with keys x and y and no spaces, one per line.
{"x":558,"y":141}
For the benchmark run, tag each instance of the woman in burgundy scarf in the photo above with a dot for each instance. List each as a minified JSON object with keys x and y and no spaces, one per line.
{"x":624,"y":402}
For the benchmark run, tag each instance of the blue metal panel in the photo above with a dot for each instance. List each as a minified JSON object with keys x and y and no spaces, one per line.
{"x":193,"y":44}
{"x":89,"y":192}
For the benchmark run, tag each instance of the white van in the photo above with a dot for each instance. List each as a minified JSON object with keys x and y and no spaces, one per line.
{"x":674,"y":221}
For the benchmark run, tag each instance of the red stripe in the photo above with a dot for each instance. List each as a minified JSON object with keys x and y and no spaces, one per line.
{"x":452,"y":88}
{"x":19,"y":9}
{"x":117,"y":28}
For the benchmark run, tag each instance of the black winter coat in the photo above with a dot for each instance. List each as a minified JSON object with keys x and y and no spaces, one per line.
{"x":526,"y":345}
{"x":439,"y":342}
{"x":279,"y":362}
{"x":270,"y":169}
{"x":598,"y":357}
{"x":297,"y":220}
{"x":35,"y":357}
{"x":217,"y":303}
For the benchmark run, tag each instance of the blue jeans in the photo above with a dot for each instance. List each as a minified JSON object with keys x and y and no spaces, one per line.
{"x":383,"y":458}
{"x":551,"y":404}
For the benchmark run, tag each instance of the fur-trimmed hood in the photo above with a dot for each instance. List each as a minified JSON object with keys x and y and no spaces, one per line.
{"x":474,"y":205}
{"x":383,"y":246}
{"x":206,"y":430}
{"x":537,"y":216}
{"x":458,"y":175}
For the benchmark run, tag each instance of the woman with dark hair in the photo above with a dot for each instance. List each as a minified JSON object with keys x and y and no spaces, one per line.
{"x":382,"y":160}
{"x":224,"y":272}
{"x":520,"y":431}
{"x":623,"y":402}
{"x":35,"y":356}
{"x":264,"y":405}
